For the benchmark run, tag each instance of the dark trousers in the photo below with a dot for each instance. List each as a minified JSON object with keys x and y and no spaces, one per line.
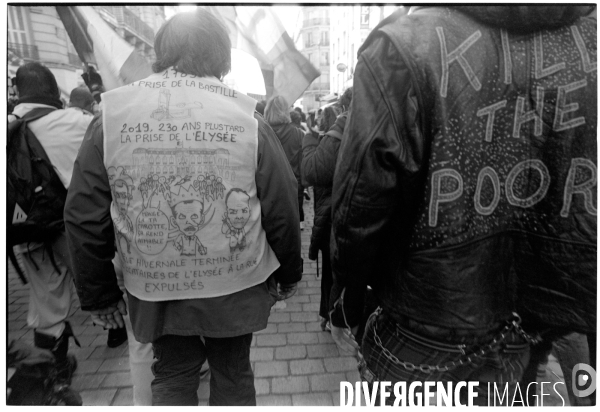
{"x":177,"y":370}
{"x":301,"y":201}
{"x":326,"y":282}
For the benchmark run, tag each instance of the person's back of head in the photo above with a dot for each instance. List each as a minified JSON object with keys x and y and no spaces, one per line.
{"x":296,"y":118}
{"x":346,"y":99}
{"x":260,"y":107}
{"x":36,"y":81}
{"x":276,"y":111}
{"x":82,"y":97}
{"x":329,"y":116}
{"x":193,"y":43}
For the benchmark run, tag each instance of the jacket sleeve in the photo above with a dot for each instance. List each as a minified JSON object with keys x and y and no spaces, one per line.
{"x":278,"y":194}
{"x":89,"y":227}
{"x":366,"y":196}
{"x":318,"y":159}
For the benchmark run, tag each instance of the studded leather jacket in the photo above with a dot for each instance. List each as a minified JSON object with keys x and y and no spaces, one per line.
{"x":466,"y":184}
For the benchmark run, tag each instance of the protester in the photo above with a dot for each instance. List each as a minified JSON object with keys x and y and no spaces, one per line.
{"x":182,"y":280}
{"x":50,"y":282}
{"x":82,"y":99}
{"x":318,"y":164}
{"x":455,"y":195}
{"x":260,"y":107}
{"x":278,"y":117}
{"x":328,"y":119}
{"x":296,"y":120}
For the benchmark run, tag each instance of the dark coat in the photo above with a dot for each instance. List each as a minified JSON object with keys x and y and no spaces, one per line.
{"x":465,"y":184}
{"x":318,"y":165}
{"x":291,"y":141}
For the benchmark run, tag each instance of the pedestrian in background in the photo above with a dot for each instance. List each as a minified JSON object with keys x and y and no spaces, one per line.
{"x":255,"y":199}
{"x":278,"y":117}
{"x":51,"y":292}
{"x":319,"y":155}
{"x":455,"y":195}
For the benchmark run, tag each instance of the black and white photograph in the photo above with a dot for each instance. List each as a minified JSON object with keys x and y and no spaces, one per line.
{"x":301,"y":204}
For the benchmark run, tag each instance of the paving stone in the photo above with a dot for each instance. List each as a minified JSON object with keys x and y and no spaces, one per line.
{"x":274,"y":400}
{"x":272,"y":368}
{"x":279,"y":317}
{"x":124,"y":397}
{"x":89,"y":366}
{"x":315,"y":298}
{"x":293,"y":307}
{"x":290,"y":352}
{"x":291,"y":327}
{"x":87,"y":381}
{"x":325,"y":337}
{"x":309,"y":291}
{"x":304,"y":338}
{"x":311,"y":307}
{"x":105,"y":352}
{"x":117,"y":380}
{"x":102,"y":397}
{"x":326,"y":382}
{"x":313,"y":327}
{"x":322,"y":351}
{"x":303,"y":317}
{"x":271,"y":340}
{"x":341,"y":364}
{"x":99,"y":340}
{"x":299,"y":299}
{"x":353,"y":376}
{"x":262,"y":386}
{"x":306,"y":366}
{"x":312,"y":399}
{"x":261,"y":354}
{"x":290,"y":384}
{"x":114,"y":365}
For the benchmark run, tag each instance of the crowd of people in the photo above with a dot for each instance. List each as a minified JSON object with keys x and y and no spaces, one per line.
{"x":454,"y":189}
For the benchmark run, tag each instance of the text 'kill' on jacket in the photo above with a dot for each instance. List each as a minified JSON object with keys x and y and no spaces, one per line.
{"x":466,"y":185}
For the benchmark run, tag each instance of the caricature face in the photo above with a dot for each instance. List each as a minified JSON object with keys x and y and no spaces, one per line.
{"x":238,"y":209}
{"x":122,"y":195}
{"x":187,"y":216}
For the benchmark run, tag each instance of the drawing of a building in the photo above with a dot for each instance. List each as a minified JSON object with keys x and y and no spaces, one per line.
{"x":182,"y":162}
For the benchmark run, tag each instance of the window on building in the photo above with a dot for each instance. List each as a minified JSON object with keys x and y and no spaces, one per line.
{"x":324,"y":38}
{"x":17,"y":25}
{"x":309,"y":41}
{"x":326,"y":59}
{"x":309,"y":57}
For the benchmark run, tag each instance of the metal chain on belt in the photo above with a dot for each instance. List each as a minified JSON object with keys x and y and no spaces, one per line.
{"x":466,"y":358}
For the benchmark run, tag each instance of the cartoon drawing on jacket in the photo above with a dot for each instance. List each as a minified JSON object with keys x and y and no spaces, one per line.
{"x":122,"y":187}
{"x":237,"y":214}
{"x":188,"y":217}
{"x":164,"y":110}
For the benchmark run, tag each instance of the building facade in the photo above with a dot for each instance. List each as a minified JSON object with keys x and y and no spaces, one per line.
{"x":350,"y":26}
{"x":36,"y":33}
{"x":314,"y":43}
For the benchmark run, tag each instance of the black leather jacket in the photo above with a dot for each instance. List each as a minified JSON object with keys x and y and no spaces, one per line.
{"x":466,"y":182}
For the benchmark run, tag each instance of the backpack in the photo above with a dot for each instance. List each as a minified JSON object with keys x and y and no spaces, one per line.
{"x":35,"y":195}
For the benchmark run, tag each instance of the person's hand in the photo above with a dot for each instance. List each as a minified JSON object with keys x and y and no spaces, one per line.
{"x":286,"y":291}
{"x":110,"y":317}
{"x":345,"y":340}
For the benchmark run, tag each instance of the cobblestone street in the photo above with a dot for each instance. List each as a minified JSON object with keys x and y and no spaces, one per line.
{"x":294,"y":362}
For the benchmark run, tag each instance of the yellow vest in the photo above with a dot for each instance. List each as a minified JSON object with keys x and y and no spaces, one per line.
{"x":181,"y":156}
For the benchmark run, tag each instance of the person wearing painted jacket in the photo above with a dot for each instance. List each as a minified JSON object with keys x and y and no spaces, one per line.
{"x":464,"y":191}
{"x":185,"y":127}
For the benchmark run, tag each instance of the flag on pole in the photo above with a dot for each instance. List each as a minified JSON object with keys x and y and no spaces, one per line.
{"x":96,"y":42}
{"x":259,"y":32}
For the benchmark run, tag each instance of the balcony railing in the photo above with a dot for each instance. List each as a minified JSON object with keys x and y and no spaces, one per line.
{"x":24,"y":51}
{"x":319,"y":21}
{"x":125,"y":18}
